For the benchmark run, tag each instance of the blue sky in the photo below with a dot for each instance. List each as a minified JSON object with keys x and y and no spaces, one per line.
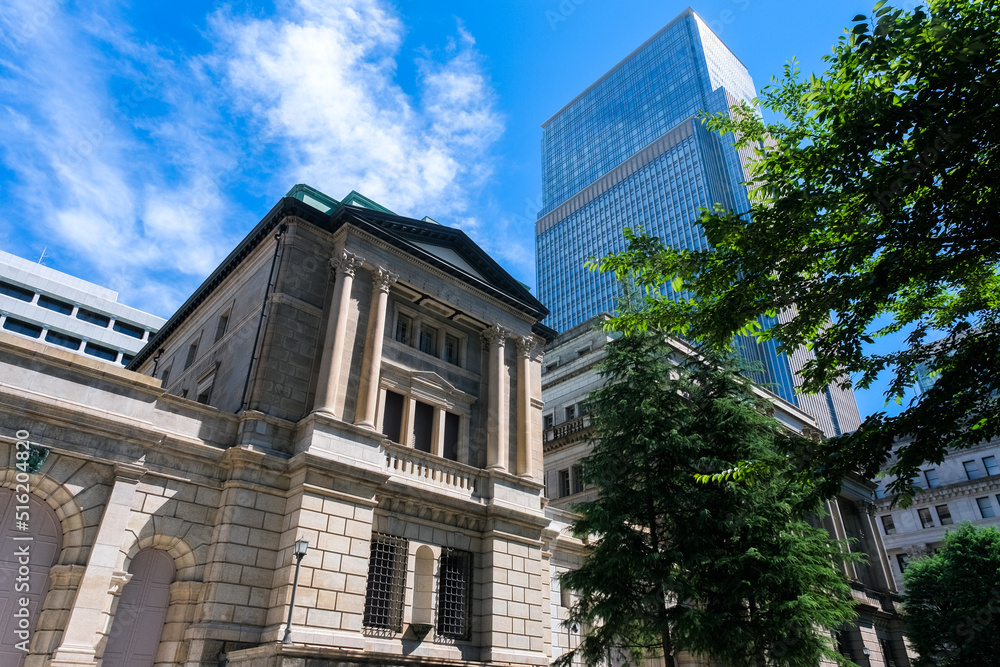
{"x":140,"y":141}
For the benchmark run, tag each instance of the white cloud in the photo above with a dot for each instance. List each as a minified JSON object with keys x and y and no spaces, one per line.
{"x":322,"y":80}
{"x":132,"y":161}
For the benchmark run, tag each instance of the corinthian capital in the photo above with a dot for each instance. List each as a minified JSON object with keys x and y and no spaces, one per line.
{"x":525,"y":346}
{"x":346,"y":263}
{"x":496,"y":334}
{"x":382,"y":279}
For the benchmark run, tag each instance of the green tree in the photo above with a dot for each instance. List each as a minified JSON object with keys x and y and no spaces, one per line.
{"x":952,"y":600}
{"x":729,"y":571}
{"x":874,"y":211}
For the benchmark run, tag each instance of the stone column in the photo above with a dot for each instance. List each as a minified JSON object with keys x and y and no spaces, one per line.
{"x":496,"y":442}
{"x":336,"y":330}
{"x":372,"y":366}
{"x":101,"y":580}
{"x":876,"y":549}
{"x":525,"y":345}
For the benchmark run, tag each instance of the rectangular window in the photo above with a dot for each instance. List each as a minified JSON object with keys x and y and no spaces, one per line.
{"x":925,"y":518}
{"x":63,"y":340}
{"x":24,"y":328}
{"x":205,"y":385}
{"x":451,"y":349}
{"x":571,"y":412}
{"x":404,"y":324}
{"x":165,"y":376}
{"x":16,"y":292}
{"x":100,"y":352}
{"x":55,"y":305}
{"x":454,"y":613}
{"x":191,"y":355}
{"x":944,"y":515}
{"x":564,"y":488}
{"x":392,"y":416}
{"x":128,"y":329}
{"x":450,"y":445}
{"x":990,"y":463}
{"x":888,"y":525}
{"x":547,"y":421}
{"x":577,"y":478}
{"x":932,"y":478}
{"x":428,"y":341}
{"x":220,"y":328}
{"x":127,"y":359}
{"x":985,"y":508}
{"x":90,"y":317}
{"x":386,"y":583}
{"x":423,"y":426}
{"x":972,"y":470}
{"x":901,"y":560}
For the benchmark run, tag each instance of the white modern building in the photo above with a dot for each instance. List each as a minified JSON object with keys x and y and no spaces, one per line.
{"x":66,"y":312}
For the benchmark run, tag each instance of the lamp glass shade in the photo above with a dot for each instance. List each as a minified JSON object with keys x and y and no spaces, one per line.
{"x":301,"y":546}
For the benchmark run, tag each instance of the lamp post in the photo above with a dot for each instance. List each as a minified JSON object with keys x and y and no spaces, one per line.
{"x":301,"y":546}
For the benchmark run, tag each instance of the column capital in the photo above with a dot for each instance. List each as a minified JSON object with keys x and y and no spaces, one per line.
{"x":383,"y":279}
{"x":346,"y":262}
{"x":525,"y":346}
{"x":496,"y":334}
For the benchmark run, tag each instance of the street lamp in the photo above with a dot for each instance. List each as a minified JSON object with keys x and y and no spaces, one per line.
{"x":301,"y":546}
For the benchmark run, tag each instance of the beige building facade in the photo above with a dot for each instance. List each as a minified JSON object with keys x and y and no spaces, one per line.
{"x":367,"y":383}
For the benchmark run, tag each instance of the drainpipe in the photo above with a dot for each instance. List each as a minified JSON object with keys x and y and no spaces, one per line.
{"x":263,"y":315}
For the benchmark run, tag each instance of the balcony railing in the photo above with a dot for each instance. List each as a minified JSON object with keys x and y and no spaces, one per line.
{"x":567,"y":428}
{"x":416,"y":465}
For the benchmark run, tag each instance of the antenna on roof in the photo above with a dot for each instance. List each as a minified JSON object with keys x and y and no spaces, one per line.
{"x":40,"y":257}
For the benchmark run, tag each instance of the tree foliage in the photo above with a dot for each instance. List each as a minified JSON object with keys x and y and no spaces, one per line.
{"x":874,"y":212}
{"x":952,"y":600}
{"x":729,"y":571}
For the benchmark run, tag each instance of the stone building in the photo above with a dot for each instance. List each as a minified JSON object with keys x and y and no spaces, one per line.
{"x":570,"y":373}
{"x":965,"y":486}
{"x":365,"y":382}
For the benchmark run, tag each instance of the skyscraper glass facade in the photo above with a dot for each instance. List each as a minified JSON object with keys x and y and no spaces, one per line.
{"x":630,"y":151}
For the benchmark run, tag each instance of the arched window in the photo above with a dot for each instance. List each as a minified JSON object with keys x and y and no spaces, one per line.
{"x":142,"y":609}
{"x":37,"y":522}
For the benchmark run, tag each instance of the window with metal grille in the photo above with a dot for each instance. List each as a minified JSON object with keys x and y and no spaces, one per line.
{"x":925,"y":518}
{"x":454,"y":613}
{"x":386,"y":583}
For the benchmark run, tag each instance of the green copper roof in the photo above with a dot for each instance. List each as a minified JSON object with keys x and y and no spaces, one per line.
{"x":327,"y":204}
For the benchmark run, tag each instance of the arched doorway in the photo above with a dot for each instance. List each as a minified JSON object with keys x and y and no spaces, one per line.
{"x":142,"y":609}
{"x":37,"y":522}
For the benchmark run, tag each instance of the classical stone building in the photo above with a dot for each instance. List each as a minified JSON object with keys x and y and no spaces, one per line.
{"x":965,"y":486}
{"x":570,"y":373}
{"x":368,"y":383}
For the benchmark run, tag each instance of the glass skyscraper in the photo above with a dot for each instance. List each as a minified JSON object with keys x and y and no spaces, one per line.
{"x":630,"y":151}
